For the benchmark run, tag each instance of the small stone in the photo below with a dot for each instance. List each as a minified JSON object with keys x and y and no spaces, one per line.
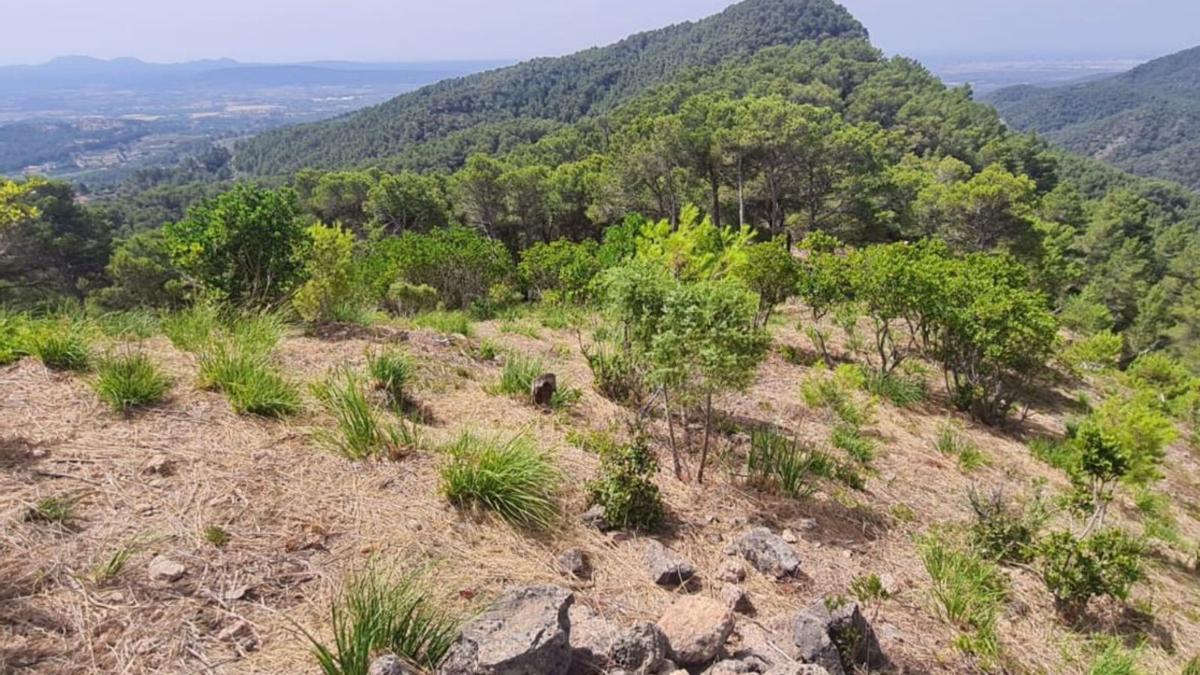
{"x":641,"y":650}
{"x":666,"y":567}
{"x":389,"y":664}
{"x":163,"y":568}
{"x":840,"y":639}
{"x":236,"y":593}
{"x":696,"y":628}
{"x":736,"y":599}
{"x":789,"y":536}
{"x":731,"y":572}
{"x":594,"y":517}
{"x":891,"y":586}
{"x":241,"y":634}
{"x":574,"y":562}
{"x":769,"y":553}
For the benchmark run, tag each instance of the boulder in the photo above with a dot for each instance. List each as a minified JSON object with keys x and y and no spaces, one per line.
{"x":543,"y":389}
{"x":839,"y":639}
{"x":592,"y":639}
{"x":666,"y":567}
{"x":696,"y":628}
{"x":641,"y":650}
{"x":574,"y":563}
{"x":768,"y":553}
{"x":526,"y":632}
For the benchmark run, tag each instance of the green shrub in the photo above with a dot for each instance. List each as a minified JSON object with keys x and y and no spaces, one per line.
{"x":409,"y":299}
{"x":1003,"y":531}
{"x":969,"y":592}
{"x":450,"y":323}
{"x":513,"y":479}
{"x":1095,"y":354}
{"x":778,"y":463}
{"x":869,"y":589}
{"x":329,"y":293}
{"x":130,"y":381}
{"x":13,"y":330}
{"x":461,"y":264}
{"x":361,"y":432}
{"x":391,"y":372}
{"x":625,"y":487}
{"x":616,"y":374}
{"x":61,"y":344}
{"x":378,"y":612}
{"x":1076,"y":570}
{"x":562,"y":268}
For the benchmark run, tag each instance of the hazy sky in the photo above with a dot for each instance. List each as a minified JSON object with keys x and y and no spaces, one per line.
{"x":295,"y":30}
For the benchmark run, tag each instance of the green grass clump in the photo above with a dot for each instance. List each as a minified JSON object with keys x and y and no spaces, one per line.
{"x":514,"y":480}
{"x":516,"y":379}
{"x":58,"y":509}
{"x":950,"y":442}
{"x":217,"y":536}
{"x":904,"y":392}
{"x":377,"y":612}
{"x":361,"y":432}
{"x":781,"y":464}
{"x":130,"y":381}
{"x":1061,"y":454}
{"x":112,"y":567}
{"x":191,"y":329}
{"x":836,"y":394}
{"x":249,"y":380}
{"x":450,"y":323}
{"x":129,"y":325}
{"x":61,"y":344}
{"x":850,"y":440}
{"x":13,"y":329}
{"x":391,"y":372}
{"x":969,"y":592}
{"x":1114,"y":659}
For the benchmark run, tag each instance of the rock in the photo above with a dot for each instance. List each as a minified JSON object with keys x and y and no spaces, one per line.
{"x":641,"y":650}
{"x":526,"y":632}
{"x":696,"y":628}
{"x":594,"y":517}
{"x":592,"y":639}
{"x":839,"y":639}
{"x":731,"y":667}
{"x":389,"y":664}
{"x":574,"y":562}
{"x":242,"y":634}
{"x":159,"y":465}
{"x":796,"y":669}
{"x":163,"y":568}
{"x":769,"y":553}
{"x":732,"y":572}
{"x":736,"y":599}
{"x":789,"y":536}
{"x":666,"y":567}
{"x":543,"y":389}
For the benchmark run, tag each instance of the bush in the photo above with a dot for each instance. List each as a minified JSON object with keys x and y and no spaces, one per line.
{"x":616,"y":374}
{"x":1076,"y":570}
{"x":409,"y":299}
{"x":130,"y":381}
{"x":141,"y":275}
{"x":562,"y":268}
{"x":1003,"y":531}
{"x":377,"y":612}
{"x":361,"y":433}
{"x":770,"y":272}
{"x":513,"y":479}
{"x":13,"y":329}
{"x":969,"y":592}
{"x":460,"y":263}
{"x":61,"y":344}
{"x":625,"y":487}
{"x":328,"y":295}
{"x":778,"y":463}
{"x":1095,"y":354}
{"x":391,"y":371}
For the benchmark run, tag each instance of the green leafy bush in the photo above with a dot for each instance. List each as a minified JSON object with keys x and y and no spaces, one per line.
{"x":409,"y":299}
{"x":562,"y":268}
{"x":130,"y":381}
{"x":1076,"y":570}
{"x":770,"y":272}
{"x":328,"y":294}
{"x":459,"y":263}
{"x":1096,"y":353}
{"x":617,"y":374}
{"x":1004,"y":531}
{"x":379,"y":612}
{"x":513,"y":479}
{"x":625,"y":487}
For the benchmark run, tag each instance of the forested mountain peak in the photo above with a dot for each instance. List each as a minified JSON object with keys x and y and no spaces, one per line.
{"x":549,"y":91}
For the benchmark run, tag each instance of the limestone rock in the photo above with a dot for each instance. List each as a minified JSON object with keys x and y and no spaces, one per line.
{"x":526,"y":632}
{"x":696,"y":628}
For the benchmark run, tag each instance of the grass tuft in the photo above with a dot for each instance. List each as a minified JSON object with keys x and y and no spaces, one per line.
{"x":361,"y":432}
{"x":450,"y":323}
{"x":514,"y":480}
{"x":191,"y":329}
{"x":61,"y":344}
{"x":58,"y":509}
{"x":130,"y":381}
{"x":249,"y":380}
{"x":950,"y":442}
{"x":391,"y":372}
{"x":969,"y":592}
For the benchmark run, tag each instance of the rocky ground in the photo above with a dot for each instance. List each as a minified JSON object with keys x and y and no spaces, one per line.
{"x":738,"y":581}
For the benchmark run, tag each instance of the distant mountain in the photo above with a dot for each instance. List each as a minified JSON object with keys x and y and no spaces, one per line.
{"x":1146,"y":121}
{"x":527,"y":100}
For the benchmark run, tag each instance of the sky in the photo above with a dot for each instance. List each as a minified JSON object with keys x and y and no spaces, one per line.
{"x":414,"y":30}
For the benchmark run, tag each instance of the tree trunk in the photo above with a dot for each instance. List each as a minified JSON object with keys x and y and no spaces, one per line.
{"x":671,"y":432}
{"x":707,"y":435}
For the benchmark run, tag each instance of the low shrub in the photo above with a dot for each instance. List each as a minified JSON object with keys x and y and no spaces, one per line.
{"x":1076,"y":570}
{"x":1004,"y":531}
{"x":130,"y":381}
{"x":616,"y":374}
{"x":969,"y":592}
{"x":1094,"y":354}
{"x":379,"y":612}
{"x":409,"y":299}
{"x":513,"y":479}
{"x":13,"y":331}
{"x":625,"y":487}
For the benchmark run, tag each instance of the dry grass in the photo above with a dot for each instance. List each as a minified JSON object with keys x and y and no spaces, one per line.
{"x":301,"y":519}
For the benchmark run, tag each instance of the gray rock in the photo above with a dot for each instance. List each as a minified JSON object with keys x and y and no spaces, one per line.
{"x":592,"y":639}
{"x":543,"y":389}
{"x":696,"y":628}
{"x":666,"y":567}
{"x":574,"y":562}
{"x":163,"y":568}
{"x":736,"y":599}
{"x":390,"y":664}
{"x":769,"y":553}
{"x":526,"y":632}
{"x":642,"y":650}
{"x":732,"y":572}
{"x":594,"y":517}
{"x":840,"y":639}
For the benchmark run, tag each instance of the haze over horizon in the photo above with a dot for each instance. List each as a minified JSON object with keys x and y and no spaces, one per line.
{"x":311,"y":30}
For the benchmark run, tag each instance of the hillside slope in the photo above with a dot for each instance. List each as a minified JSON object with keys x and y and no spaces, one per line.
{"x":551,"y":90}
{"x":1146,"y":121}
